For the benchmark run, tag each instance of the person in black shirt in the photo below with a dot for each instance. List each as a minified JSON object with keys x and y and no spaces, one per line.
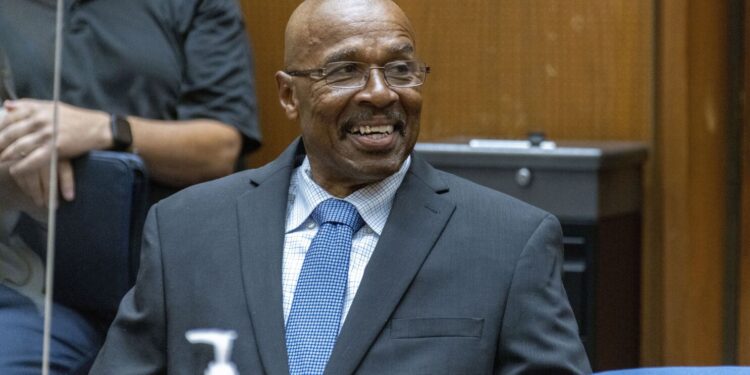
{"x":160,"y":63}
{"x":176,"y":74}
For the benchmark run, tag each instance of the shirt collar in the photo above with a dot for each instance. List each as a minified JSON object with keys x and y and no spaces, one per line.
{"x":373,"y":202}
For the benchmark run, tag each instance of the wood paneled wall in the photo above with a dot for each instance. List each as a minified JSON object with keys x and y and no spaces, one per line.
{"x":578,"y":69}
{"x":743,"y":337}
{"x":647,"y":70}
{"x":265,"y":21}
{"x":691,"y":141}
{"x":574,"y":69}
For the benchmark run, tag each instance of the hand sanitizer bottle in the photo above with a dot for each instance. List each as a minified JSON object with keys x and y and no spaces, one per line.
{"x":222,"y":342}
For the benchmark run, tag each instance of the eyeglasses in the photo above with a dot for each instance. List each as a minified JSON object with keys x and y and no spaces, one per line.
{"x":352,"y":74}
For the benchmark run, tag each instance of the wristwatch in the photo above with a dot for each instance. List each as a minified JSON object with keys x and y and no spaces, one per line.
{"x":122,"y":137}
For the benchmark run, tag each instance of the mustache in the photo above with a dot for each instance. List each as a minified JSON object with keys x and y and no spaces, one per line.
{"x":392,"y":115}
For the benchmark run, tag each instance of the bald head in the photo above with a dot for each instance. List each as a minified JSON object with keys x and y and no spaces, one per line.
{"x":316,"y":24}
{"x":354,"y":133}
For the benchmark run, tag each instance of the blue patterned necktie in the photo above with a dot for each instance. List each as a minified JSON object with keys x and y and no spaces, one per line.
{"x":315,"y":317}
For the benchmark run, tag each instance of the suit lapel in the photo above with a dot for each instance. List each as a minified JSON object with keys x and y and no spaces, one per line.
{"x":262,"y":215}
{"x":416,"y":221}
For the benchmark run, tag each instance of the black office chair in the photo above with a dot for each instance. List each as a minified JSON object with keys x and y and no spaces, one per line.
{"x":98,"y":234}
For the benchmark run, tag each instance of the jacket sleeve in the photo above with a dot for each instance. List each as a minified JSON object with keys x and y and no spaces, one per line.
{"x":539,"y":334}
{"x":136,"y":340}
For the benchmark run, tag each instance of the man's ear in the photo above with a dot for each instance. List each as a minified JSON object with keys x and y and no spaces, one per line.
{"x":287,"y":95}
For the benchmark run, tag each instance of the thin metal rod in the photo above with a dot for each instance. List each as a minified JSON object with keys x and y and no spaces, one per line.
{"x":51,"y":217}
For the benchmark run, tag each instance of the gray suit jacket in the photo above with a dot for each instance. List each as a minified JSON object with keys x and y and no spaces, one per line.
{"x":464,"y":280}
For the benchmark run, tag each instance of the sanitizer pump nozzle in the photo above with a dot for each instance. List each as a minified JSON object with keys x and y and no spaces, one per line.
{"x":222,"y":342}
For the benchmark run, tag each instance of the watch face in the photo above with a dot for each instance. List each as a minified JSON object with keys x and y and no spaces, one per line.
{"x":121,"y":135}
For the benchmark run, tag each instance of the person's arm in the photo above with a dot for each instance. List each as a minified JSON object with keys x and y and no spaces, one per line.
{"x":186,"y":153}
{"x":177,"y":153}
{"x":539,"y":332}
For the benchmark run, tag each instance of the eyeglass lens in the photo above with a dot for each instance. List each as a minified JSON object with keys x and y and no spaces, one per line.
{"x":347,"y":74}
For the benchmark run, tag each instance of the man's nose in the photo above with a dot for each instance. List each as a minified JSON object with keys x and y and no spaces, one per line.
{"x":376,"y":91}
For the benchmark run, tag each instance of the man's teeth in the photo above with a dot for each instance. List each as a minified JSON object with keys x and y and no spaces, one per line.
{"x":365,"y":130}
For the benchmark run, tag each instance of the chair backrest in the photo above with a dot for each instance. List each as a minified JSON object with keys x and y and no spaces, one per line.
{"x":98,"y":234}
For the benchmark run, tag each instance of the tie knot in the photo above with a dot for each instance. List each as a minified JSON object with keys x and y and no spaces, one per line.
{"x":338,"y":211}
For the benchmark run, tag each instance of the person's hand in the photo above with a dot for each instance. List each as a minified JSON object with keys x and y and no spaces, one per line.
{"x":36,"y":183}
{"x":26,"y":131}
{"x":25,"y":134}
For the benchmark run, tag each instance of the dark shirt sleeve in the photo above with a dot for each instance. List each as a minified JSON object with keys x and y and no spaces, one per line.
{"x":218,"y":80}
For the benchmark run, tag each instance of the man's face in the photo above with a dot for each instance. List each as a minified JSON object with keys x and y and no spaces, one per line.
{"x":356,"y":136}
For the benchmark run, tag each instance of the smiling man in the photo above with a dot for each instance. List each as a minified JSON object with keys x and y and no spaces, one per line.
{"x":352,"y":81}
{"x":349,"y":254}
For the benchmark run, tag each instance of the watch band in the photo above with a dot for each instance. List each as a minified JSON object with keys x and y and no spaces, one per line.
{"x":122,"y":137}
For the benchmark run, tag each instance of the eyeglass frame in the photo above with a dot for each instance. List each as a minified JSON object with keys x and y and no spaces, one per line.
{"x":321,"y":72}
